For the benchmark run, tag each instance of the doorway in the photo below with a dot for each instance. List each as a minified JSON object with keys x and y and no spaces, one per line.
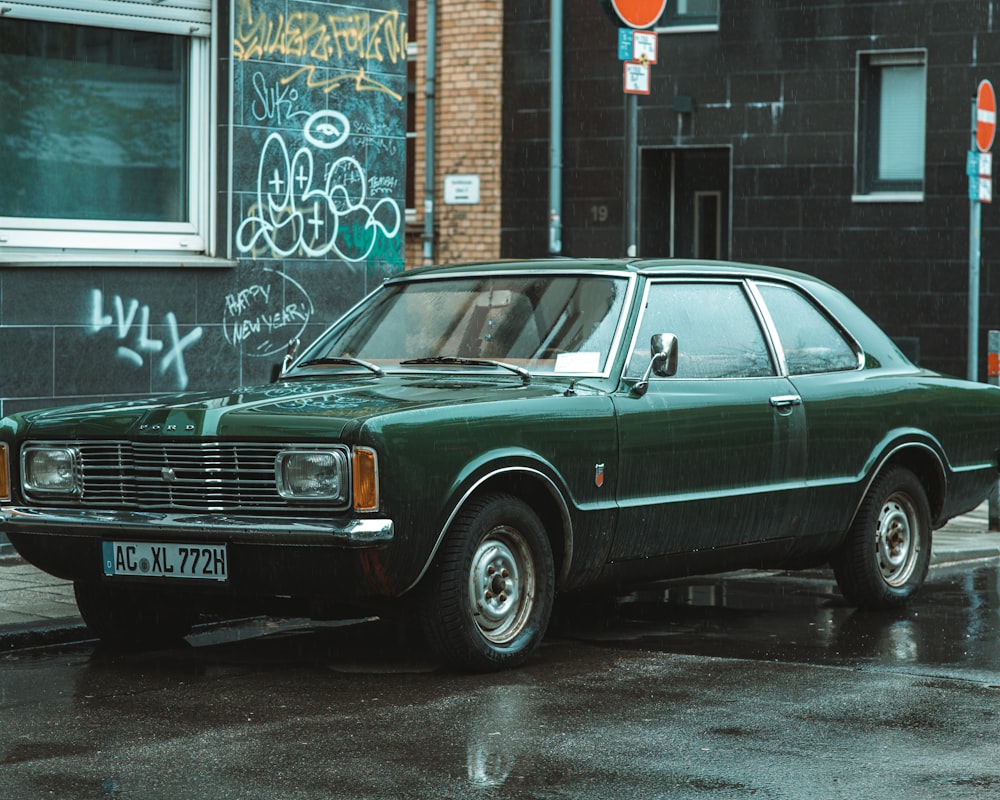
{"x":684,"y":202}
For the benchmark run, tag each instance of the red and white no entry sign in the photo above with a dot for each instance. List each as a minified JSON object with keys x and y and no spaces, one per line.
{"x":639,"y":13}
{"x":986,"y":116}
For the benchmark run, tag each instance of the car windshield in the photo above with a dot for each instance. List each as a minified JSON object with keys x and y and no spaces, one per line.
{"x":543,"y":323}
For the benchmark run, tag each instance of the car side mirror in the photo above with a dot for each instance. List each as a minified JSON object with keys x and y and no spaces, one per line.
{"x":663,"y":354}
{"x":277,"y":370}
{"x":662,"y":361}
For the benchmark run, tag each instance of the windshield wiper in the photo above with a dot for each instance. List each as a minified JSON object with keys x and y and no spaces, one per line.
{"x":472,"y":362}
{"x":342,"y":361}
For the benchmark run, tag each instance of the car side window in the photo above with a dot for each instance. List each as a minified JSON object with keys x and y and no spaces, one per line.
{"x":718,"y":335}
{"x":811,"y":342}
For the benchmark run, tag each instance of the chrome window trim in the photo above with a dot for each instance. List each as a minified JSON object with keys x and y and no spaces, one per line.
{"x":731,"y":280}
{"x":771,"y":331}
{"x":823,"y":311}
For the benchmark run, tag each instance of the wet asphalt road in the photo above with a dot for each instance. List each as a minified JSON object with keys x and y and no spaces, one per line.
{"x":764,"y":687}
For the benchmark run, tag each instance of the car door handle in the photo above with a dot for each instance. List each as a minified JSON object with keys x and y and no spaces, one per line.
{"x":784,"y":402}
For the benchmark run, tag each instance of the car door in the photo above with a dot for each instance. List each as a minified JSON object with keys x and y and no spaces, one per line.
{"x":706,"y":455}
{"x":846,"y":414}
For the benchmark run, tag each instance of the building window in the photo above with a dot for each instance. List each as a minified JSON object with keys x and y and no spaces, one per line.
{"x":109,"y":144}
{"x":690,"y":15}
{"x":891,"y":123}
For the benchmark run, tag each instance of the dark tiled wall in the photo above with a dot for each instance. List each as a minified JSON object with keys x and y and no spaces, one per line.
{"x":73,"y":335}
{"x":776,"y":85}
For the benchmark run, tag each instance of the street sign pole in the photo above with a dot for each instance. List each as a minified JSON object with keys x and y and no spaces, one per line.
{"x":975,"y":218}
{"x":631,"y":173}
{"x":984,"y":122}
{"x":637,"y":15}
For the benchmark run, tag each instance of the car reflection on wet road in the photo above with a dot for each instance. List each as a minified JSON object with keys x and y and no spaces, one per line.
{"x":743,"y":685}
{"x":802,"y":618}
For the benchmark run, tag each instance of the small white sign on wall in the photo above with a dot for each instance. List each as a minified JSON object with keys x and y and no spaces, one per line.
{"x":461,"y":189}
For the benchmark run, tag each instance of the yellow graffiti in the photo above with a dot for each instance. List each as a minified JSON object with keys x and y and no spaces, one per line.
{"x":373,"y":36}
{"x":362,"y":83}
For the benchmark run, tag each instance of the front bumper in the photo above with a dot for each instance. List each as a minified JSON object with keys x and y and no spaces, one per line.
{"x":346,"y":560}
{"x":352,"y":532}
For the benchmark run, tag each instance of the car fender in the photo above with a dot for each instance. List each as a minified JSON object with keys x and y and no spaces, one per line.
{"x":920,"y":452}
{"x":501,"y":468}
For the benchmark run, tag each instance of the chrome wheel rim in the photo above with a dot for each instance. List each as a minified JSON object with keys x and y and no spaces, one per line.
{"x":502,"y":585}
{"x":897,"y":539}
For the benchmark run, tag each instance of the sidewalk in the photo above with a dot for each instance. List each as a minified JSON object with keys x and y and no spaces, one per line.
{"x":36,"y":608}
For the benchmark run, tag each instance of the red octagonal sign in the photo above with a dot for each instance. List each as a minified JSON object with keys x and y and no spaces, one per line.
{"x":639,"y":13}
{"x":986,"y":116}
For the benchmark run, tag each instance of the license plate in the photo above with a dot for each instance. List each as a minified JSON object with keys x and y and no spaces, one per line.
{"x":166,"y":560}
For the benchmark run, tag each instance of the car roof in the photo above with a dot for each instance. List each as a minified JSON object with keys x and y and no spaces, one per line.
{"x":652,"y":267}
{"x":845,"y":311}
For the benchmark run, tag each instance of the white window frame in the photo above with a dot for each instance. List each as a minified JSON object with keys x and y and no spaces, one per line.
{"x":867,"y":187}
{"x":68,"y":241}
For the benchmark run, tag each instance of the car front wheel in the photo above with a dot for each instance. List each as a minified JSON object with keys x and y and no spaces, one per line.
{"x":488,"y":598}
{"x":123,"y":617}
{"x":885,"y":557}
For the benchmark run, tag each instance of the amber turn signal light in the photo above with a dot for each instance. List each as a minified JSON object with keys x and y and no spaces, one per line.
{"x":4,"y":474}
{"x":365,"y":473}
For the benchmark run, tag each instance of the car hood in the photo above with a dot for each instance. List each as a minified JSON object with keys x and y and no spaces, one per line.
{"x":289,"y":410}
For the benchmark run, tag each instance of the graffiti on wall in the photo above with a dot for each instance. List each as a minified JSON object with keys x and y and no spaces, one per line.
{"x":316,"y":209}
{"x":356,"y":36}
{"x":265,"y":316}
{"x":319,"y":162}
{"x":129,"y":323}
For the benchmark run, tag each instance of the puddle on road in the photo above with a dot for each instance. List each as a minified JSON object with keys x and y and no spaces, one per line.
{"x":800,"y":617}
{"x":793,"y":617}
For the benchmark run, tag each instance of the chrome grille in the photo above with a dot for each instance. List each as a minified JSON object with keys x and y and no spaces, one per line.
{"x":204,"y":476}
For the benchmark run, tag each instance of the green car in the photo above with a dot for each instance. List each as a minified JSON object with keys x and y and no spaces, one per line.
{"x":469,"y":441}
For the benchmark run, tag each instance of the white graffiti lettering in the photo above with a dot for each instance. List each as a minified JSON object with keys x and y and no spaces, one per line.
{"x":291,"y":314}
{"x":299,"y":212}
{"x":382,"y":184}
{"x":273,"y":103}
{"x":260,"y":327}
{"x":123,"y":321}
{"x":243,"y":299}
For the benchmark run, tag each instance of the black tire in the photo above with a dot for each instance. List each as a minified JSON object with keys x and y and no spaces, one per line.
{"x":885,"y":557}
{"x":124,"y":617}
{"x":487,"y":599}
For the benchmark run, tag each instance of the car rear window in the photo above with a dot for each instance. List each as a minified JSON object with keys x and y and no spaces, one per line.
{"x":810,"y":341}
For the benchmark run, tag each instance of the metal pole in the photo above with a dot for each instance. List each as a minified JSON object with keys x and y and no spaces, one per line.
{"x":429,"y":129}
{"x":631,"y":173}
{"x":975,"y":218}
{"x":555,"y":126}
{"x":993,"y":354}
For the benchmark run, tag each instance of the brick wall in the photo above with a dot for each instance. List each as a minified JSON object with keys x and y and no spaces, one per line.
{"x":468,"y":130}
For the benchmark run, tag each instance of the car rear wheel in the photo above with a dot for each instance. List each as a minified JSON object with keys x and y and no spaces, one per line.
{"x":125,"y":617}
{"x":488,"y":598}
{"x":885,"y":556}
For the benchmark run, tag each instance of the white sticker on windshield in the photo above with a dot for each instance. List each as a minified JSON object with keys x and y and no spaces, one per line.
{"x":578,"y":362}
